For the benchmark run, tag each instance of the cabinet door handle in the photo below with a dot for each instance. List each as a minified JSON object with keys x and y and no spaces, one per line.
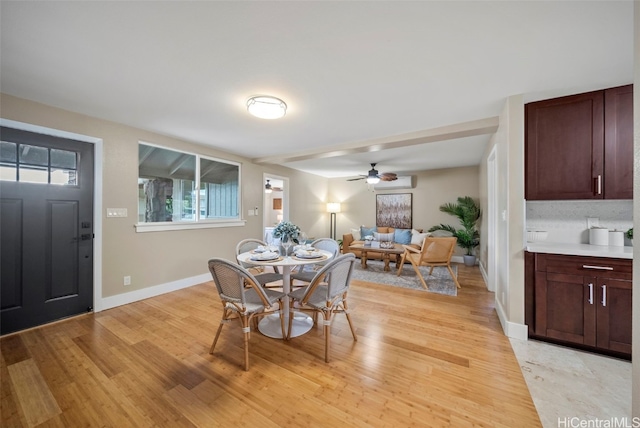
{"x":599,"y":184}
{"x":591,"y":293}
{"x":604,"y":295}
{"x":597,"y":267}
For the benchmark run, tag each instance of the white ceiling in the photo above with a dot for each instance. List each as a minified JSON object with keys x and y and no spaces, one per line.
{"x":352,"y":73}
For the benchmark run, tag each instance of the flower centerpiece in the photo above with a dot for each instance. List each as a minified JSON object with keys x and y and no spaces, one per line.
{"x":288,"y":233}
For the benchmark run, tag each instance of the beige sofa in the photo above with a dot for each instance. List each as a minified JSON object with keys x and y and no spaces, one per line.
{"x":347,"y":240}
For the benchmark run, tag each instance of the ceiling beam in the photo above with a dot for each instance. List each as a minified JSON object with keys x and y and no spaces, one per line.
{"x":485,"y":126}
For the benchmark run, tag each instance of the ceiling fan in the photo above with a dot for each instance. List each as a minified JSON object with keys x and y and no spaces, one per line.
{"x":268,"y":188}
{"x":373,"y":176}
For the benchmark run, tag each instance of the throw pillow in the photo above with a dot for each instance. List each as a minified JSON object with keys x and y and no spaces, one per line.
{"x":366,"y":231}
{"x":356,"y":234}
{"x":383,"y":237}
{"x":402,"y":236}
{"x":417,"y":237}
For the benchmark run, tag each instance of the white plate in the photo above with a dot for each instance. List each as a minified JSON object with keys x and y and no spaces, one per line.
{"x":309,"y":255}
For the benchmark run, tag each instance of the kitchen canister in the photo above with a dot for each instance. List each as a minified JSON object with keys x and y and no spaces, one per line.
{"x":616,"y":238}
{"x":599,"y":236}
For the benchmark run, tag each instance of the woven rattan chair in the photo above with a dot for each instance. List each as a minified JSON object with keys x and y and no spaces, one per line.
{"x":435,"y":251}
{"x":242,"y":298}
{"x":326,"y":294}
{"x":258,"y":272}
{"x":308,"y":272}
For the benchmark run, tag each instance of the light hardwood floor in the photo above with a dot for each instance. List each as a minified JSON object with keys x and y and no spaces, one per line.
{"x":421,"y":359}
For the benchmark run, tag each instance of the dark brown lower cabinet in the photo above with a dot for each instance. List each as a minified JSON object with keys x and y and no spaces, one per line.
{"x":582,"y":301}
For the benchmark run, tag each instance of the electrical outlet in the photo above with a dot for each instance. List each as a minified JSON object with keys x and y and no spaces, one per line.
{"x":127,"y":280}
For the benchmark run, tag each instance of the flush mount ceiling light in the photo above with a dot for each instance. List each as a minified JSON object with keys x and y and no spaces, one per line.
{"x":266,"y":107}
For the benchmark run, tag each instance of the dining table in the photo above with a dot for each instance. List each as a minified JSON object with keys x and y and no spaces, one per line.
{"x":270,"y":324}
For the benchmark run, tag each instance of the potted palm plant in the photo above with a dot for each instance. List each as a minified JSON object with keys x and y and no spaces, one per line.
{"x":468,"y":212}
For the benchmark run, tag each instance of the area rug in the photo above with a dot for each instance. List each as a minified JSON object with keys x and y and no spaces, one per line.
{"x":440,"y":282}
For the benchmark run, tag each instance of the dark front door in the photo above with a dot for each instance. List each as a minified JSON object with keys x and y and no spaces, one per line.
{"x":46,"y":228}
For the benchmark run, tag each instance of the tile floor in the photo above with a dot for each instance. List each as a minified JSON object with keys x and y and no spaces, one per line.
{"x":566,"y":383}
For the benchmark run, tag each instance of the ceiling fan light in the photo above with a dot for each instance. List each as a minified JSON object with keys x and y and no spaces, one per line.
{"x":372,"y":180}
{"x":266,"y":107}
{"x":267,"y":187}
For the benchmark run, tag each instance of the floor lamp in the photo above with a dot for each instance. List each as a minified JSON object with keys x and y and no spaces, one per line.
{"x":333,"y":208}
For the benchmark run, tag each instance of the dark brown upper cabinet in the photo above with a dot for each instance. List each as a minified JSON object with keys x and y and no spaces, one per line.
{"x":618,"y":142}
{"x":580,"y":146}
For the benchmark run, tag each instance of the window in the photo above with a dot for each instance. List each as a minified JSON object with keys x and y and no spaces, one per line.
{"x":36,"y":164}
{"x":183,"y":188}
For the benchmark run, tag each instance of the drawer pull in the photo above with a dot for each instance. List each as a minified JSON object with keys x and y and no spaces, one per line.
{"x":599,"y":185}
{"x":604,"y":295}
{"x":591,"y":293}
{"x":597,"y":267}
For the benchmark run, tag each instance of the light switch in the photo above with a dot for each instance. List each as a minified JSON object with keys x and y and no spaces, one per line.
{"x":116,"y":212}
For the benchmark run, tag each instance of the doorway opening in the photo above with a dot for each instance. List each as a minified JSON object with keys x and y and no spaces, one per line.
{"x":275,"y":203}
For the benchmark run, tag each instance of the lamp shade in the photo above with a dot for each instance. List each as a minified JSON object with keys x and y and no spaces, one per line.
{"x":333,"y":207}
{"x":266,"y":107}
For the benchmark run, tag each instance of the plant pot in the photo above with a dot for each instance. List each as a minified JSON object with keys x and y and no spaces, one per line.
{"x":469,"y":260}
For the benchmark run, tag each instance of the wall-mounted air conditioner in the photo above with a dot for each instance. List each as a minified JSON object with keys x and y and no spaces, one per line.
{"x":405,"y":182}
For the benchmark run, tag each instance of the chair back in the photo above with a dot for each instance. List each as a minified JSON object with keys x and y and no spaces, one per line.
{"x":327,"y":244}
{"x":438,"y":249}
{"x":248,"y":245}
{"x":337,"y":274}
{"x":230,"y":280}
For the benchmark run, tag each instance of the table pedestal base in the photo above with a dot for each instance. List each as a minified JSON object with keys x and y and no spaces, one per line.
{"x":270,"y":325}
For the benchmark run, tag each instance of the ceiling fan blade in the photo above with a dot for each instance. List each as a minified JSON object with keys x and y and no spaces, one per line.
{"x":355,"y":179}
{"x":388,"y":176}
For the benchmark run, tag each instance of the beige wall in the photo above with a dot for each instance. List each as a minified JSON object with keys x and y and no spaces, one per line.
{"x":156,"y":258}
{"x":510,"y":214}
{"x":431,"y":189}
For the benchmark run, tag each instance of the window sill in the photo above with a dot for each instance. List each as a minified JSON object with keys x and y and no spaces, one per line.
{"x":164,"y":226}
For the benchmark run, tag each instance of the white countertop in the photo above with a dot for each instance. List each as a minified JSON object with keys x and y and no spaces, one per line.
{"x":580,"y":250}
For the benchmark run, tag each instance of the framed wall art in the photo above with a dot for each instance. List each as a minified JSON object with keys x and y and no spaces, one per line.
{"x":394,"y":210}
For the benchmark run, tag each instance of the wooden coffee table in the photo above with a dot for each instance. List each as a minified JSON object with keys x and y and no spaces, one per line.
{"x":396,"y":251}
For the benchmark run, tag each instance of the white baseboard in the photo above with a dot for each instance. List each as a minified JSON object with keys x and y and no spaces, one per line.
{"x":484,"y":273}
{"x":145,"y":293}
{"x":511,"y":329}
